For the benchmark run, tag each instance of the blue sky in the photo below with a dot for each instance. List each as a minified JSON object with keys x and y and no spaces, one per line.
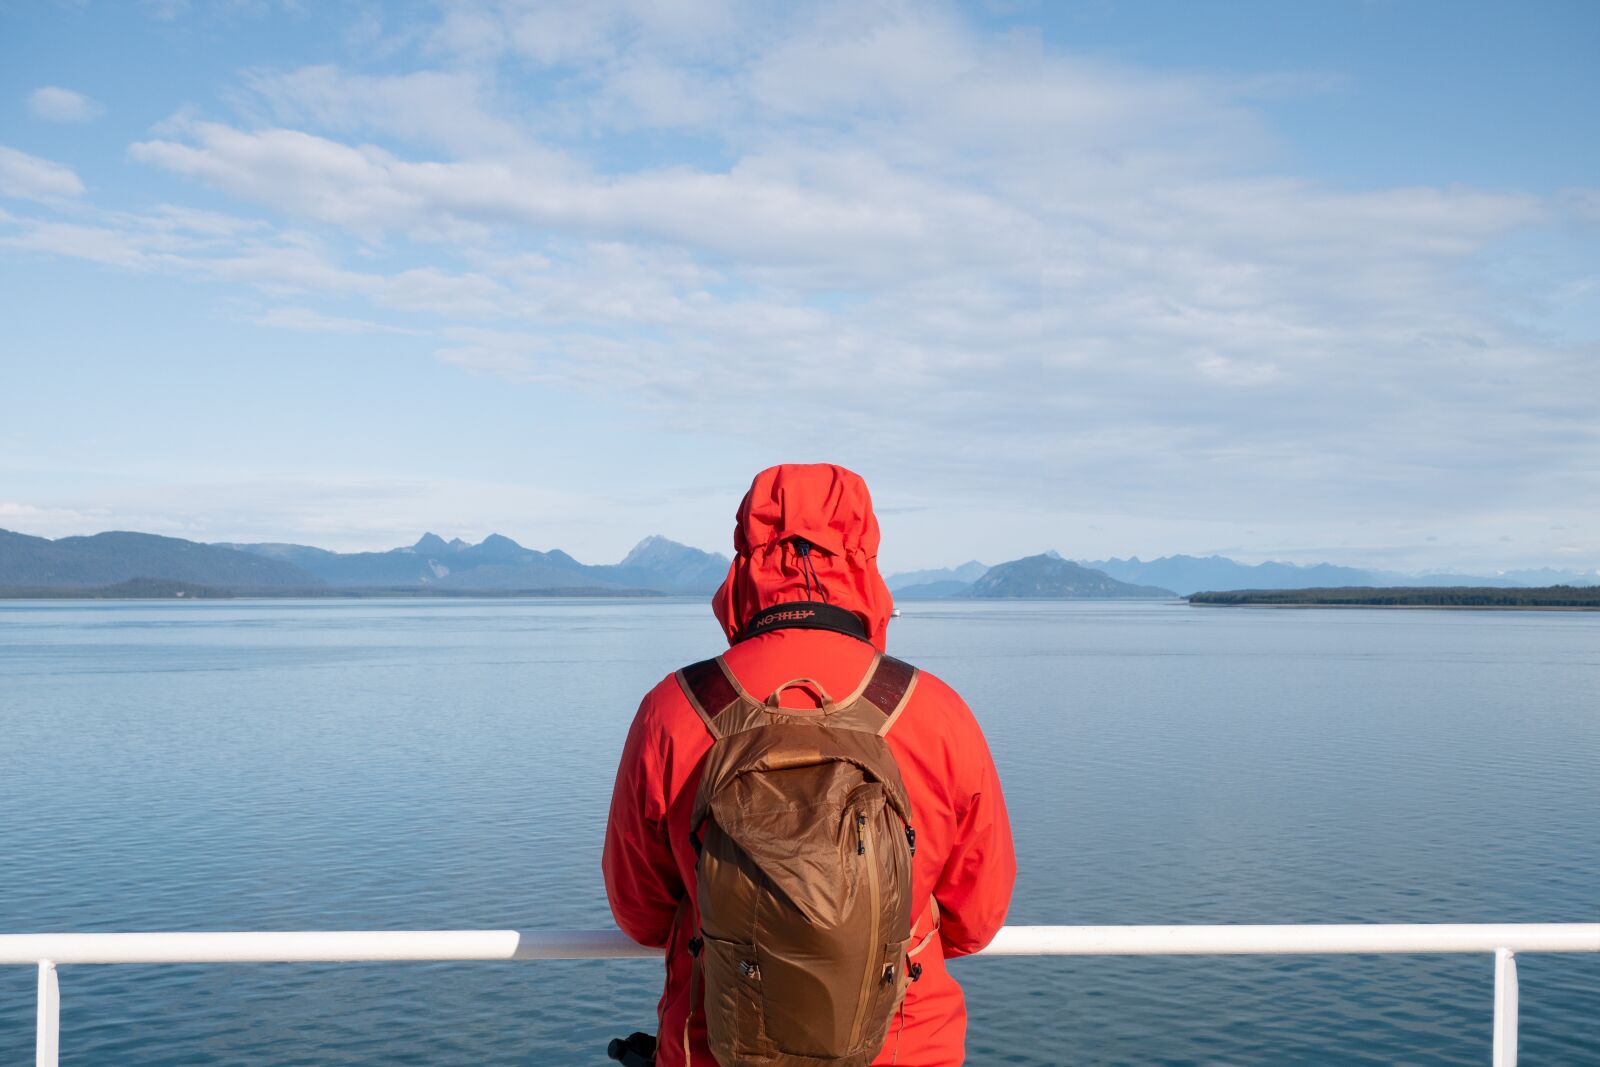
{"x":1299,"y":281}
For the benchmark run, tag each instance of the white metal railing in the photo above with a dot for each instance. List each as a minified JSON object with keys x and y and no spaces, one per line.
{"x":1504,"y":940}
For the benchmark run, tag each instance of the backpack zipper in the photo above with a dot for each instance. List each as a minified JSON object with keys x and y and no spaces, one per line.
{"x":875,"y":892}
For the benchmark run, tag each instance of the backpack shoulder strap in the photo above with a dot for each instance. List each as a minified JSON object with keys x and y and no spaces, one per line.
{"x":709,"y":690}
{"x":889,"y":689}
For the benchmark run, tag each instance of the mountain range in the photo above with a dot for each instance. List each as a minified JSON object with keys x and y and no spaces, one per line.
{"x":1193,"y":574}
{"x":1048,"y":576}
{"x":497,"y":564}
{"x":110,"y":558}
{"x":965,"y":574}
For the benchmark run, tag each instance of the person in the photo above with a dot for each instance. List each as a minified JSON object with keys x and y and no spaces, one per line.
{"x":962,"y":866}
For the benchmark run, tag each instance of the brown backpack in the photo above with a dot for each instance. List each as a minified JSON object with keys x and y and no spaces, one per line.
{"x":803,"y":831}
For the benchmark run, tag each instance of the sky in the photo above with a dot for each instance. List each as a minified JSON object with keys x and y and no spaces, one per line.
{"x":1310,"y":281}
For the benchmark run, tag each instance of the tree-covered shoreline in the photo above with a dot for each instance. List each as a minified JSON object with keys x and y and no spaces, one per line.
{"x":1564,"y":597}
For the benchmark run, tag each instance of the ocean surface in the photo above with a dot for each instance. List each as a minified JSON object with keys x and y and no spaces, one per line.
{"x":438,"y":764}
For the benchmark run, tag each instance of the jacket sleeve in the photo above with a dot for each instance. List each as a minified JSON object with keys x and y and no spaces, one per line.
{"x":642,"y":882}
{"x":974,"y":889}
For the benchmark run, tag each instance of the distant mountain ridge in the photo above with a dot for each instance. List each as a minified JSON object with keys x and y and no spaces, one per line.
{"x":496,"y":564}
{"x":118,"y":556}
{"x":1047,"y":577}
{"x":1193,"y":574}
{"x":1190,"y":574}
{"x":673,"y":567}
{"x":499,"y":563}
{"x":933,"y":590}
{"x":967,"y":573}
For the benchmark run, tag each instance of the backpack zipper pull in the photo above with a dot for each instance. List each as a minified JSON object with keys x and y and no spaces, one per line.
{"x":911,"y":839}
{"x":861,"y":834}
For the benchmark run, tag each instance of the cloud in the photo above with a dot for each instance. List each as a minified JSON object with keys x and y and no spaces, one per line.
{"x":447,"y":109}
{"x":165,"y":237}
{"x":554,"y":34}
{"x":50,"y":521}
{"x":1022,"y":273}
{"x":1581,"y":204}
{"x":306,"y":320}
{"x":164,"y":10}
{"x":778,"y":209}
{"x":55,"y":104}
{"x":96,"y":244}
{"x":31,"y":178}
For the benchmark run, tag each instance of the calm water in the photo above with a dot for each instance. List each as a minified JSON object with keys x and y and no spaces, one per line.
{"x":427,"y":765}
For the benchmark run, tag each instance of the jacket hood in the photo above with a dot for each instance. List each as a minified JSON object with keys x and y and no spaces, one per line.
{"x":826,"y":505}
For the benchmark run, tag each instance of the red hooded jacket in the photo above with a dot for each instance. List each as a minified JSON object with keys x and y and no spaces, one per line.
{"x":964,"y":866}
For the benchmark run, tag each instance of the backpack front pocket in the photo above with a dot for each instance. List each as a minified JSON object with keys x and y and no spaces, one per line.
{"x":731,"y":973}
{"x":891,"y":990}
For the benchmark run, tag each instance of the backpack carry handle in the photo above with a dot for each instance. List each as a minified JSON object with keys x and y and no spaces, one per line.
{"x":809,"y":683}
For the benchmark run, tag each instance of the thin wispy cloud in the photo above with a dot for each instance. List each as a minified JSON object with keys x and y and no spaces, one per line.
{"x":27,"y":177}
{"x":55,"y":104}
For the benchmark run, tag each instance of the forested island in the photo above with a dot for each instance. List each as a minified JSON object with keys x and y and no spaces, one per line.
{"x":1560,"y":597}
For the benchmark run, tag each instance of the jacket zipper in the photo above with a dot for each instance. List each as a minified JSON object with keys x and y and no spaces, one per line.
{"x":874,"y":891}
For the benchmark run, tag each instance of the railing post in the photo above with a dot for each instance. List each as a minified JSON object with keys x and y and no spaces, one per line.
{"x":47,"y":1045}
{"x":1505,"y":1008}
